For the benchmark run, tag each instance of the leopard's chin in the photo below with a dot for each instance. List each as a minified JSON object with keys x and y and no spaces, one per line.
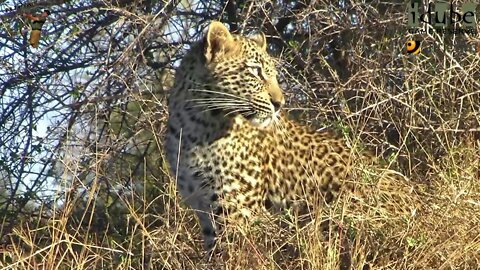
{"x":263,"y":121}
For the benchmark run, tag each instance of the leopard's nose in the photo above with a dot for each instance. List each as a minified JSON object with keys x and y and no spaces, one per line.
{"x":277,"y":104}
{"x":276,"y":96}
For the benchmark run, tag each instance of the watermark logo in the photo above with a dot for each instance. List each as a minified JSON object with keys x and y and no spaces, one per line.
{"x":413,"y":46}
{"x":442,"y":17}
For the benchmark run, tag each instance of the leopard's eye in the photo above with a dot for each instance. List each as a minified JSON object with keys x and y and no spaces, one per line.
{"x":256,"y":70}
{"x":259,"y":72}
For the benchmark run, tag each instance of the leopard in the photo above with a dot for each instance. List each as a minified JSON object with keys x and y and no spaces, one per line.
{"x":232,"y":149}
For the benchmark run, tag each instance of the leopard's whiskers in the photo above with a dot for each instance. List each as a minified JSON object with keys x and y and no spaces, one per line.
{"x":220,"y":100}
{"x":227,"y":105}
{"x":236,"y":97}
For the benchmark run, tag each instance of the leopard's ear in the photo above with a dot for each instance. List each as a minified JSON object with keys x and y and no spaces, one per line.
{"x":261,"y":40}
{"x":218,"y":41}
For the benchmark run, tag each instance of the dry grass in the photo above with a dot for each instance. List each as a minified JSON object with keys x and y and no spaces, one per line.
{"x":393,"y":223}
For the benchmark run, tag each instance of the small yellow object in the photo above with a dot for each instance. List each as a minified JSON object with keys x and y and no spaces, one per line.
{"x":413,"y":46}
{"x":36,"y":25}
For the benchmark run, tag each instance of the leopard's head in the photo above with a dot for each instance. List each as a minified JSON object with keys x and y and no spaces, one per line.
{"x":240,"y":77}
